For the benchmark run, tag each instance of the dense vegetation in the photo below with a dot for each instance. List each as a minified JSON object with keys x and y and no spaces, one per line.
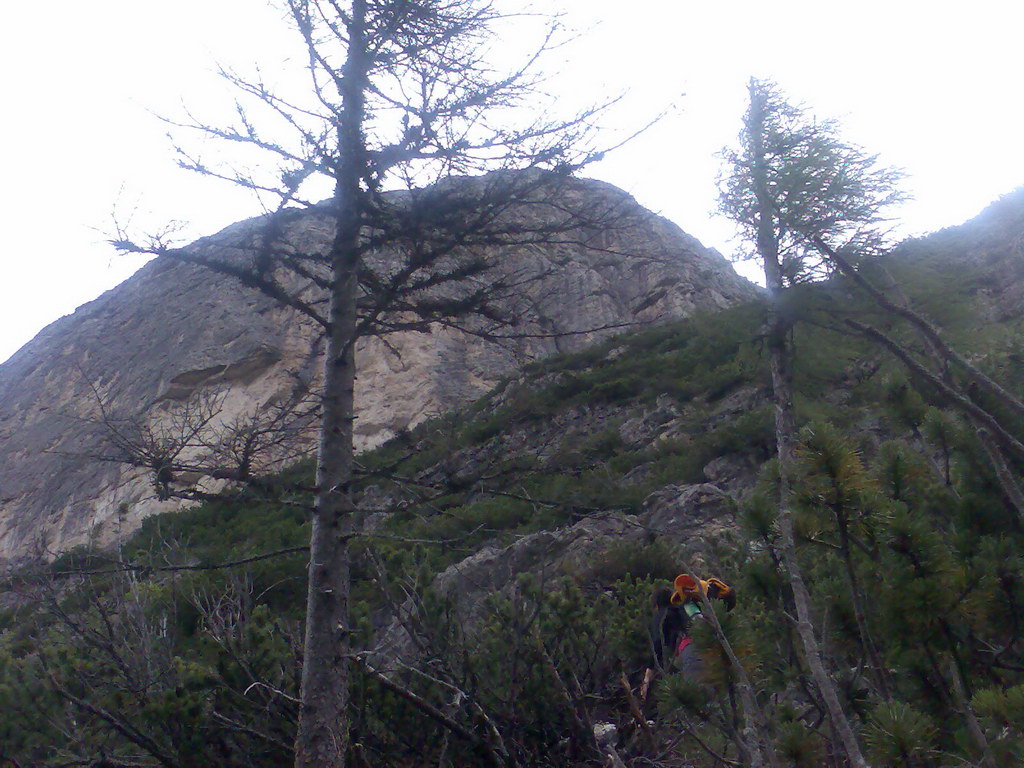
{"x":154,"y":655}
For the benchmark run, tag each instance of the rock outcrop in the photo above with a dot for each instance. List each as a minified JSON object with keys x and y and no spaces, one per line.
{"x":688,"y":519}
{"x":174,"y":331}
{"x":986,"y":253}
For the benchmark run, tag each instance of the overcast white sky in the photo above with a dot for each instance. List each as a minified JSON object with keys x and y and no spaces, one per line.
{"x":935,"y":87}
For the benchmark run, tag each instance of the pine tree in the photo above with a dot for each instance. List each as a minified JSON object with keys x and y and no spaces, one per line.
{"x":835,"y":482}
{"x":793,"y":182}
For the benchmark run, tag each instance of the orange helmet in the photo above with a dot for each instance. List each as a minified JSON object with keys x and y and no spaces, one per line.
{"x":687,"y":589}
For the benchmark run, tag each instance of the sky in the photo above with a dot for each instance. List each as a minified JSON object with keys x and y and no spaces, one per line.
{"x":933,"y":87}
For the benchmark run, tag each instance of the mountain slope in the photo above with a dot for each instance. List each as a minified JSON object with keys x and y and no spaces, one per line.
{"x":502,"y":573}
{"x":174,"y":331}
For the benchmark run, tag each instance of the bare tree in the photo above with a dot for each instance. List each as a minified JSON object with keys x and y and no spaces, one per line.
{"x":400,"y":93}
{"x":186,"y":443}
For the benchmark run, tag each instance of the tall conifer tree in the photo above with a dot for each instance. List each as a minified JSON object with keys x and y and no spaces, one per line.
{"x":793,"y":181}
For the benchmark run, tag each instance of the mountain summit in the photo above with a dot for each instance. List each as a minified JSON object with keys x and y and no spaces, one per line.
{"x":175,"y":332}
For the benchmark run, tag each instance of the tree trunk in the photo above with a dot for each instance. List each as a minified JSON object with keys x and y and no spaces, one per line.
{"x":944,"y":355}
{"x":322,"y":738}
{"x":881,"y":675}
{"x":780,"y":359}
{"x":989,"y":430}
{"x":973,"y":726}
{"x":1011,"y":488}
{"x":931,"y":334}
{"x":785,"y":438}
{"x":754,"y":734}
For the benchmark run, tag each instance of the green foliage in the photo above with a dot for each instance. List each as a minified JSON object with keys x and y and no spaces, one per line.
{"x":657,"y":560}
{"x":26,"y":728}
{"x":901,"y":472}
{"x":896,"y":507}
{"x":801,"y":747}
{"x":794,"y":180}
{"x":1004,"y":708}
{"x":898,"y":735}
{"x":680,"y":695}
{"x":1001,"y":712}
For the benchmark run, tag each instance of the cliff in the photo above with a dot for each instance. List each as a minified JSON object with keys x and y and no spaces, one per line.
{"x":508,"y":550}
{"x":174,"y":331}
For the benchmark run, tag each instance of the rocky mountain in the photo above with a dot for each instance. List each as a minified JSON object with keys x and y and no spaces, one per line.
{"x":175,"y":331}
{"x":988,"y":250}
{"x":502,"y":572}
{"x":659,"y":437}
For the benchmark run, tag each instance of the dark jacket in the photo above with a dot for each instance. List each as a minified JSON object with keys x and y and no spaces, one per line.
{"x":668,"y":626}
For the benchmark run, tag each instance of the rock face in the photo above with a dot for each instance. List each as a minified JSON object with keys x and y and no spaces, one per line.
{"x":986,"y":252}
{"x":173,"y":331}
{"x":688,"y":518}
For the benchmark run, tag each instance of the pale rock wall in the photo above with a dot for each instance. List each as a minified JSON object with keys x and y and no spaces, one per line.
{"x":174,"y":329}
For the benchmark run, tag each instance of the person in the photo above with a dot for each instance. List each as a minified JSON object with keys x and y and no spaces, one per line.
{"x":675,"y":608}
{"x":668,"y":627}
